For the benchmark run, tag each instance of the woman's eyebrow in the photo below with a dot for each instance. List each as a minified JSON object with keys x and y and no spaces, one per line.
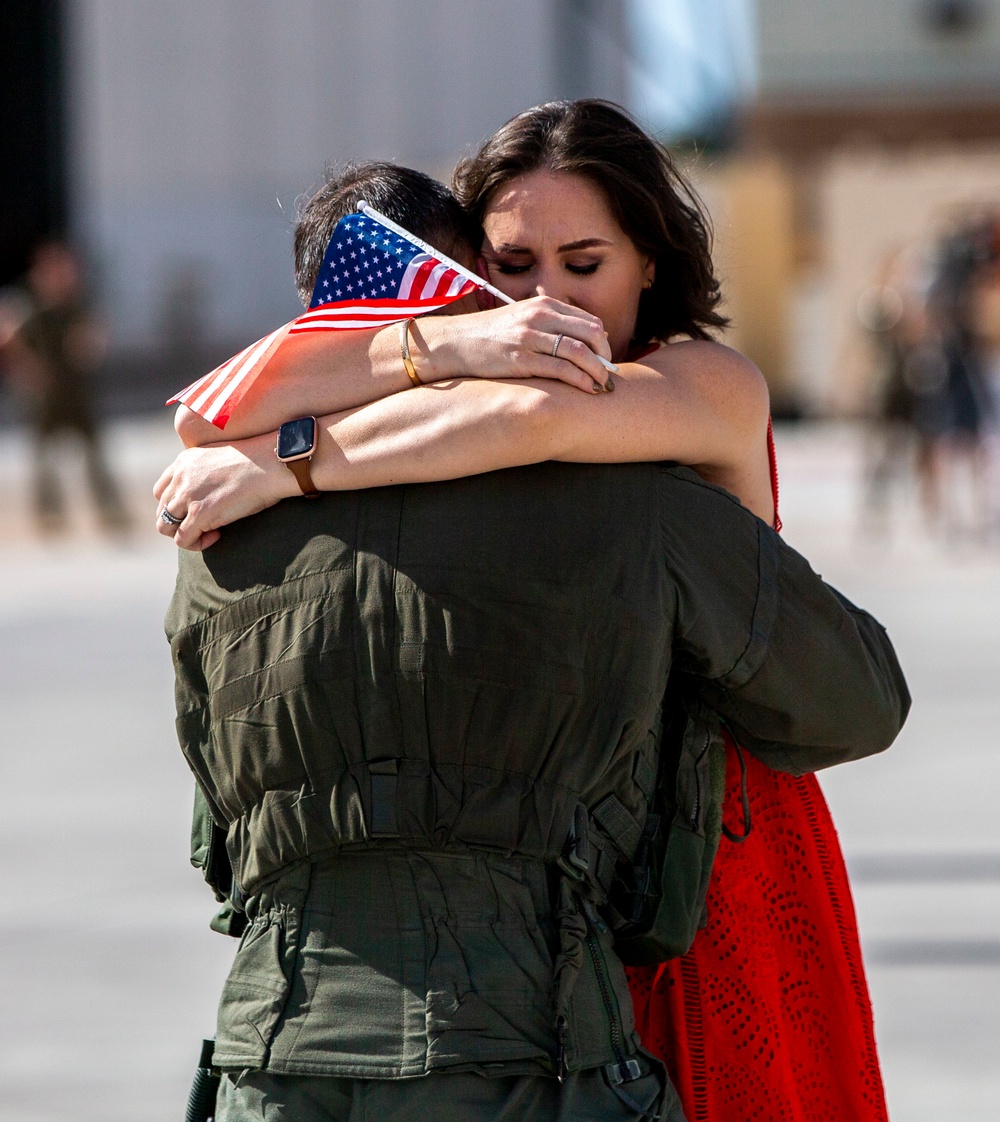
{"x":583,"y":243}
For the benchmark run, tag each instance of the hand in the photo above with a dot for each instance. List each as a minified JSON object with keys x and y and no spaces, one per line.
{"x":515,"y":341}
{"x":210,"y":487}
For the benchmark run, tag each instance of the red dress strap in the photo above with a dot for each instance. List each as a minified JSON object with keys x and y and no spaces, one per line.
{"x":772,"y":461}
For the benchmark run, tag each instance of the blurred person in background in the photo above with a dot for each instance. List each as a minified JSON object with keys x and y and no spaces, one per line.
{"x":985,"y":319}
{"x":742,"y":1021}
{"x":52,"y":354}
{"x":891,"y":312}
{"x":934,"y":333}
{"x":953,"y":408}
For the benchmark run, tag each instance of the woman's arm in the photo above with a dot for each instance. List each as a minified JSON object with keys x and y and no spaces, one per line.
{"x":319,"y":373}
{"x":697,"y":403}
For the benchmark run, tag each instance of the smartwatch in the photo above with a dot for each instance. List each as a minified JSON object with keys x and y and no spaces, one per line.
{"x":295,"y":447}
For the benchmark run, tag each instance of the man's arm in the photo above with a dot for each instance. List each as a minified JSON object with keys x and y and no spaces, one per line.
{"x":802,"y":677}
{"x":329,"y":372}
{"x":469,"y":426}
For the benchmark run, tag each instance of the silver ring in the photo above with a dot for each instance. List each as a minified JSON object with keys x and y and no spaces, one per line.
{"x":559,"y":339}
{"x":170,"y":519}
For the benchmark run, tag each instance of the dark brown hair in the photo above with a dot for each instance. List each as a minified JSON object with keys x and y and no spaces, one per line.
{"x":415,"y":201}
{"x":648,"y":197}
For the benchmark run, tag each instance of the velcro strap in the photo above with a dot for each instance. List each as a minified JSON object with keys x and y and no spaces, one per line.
{"x":603,"y":862}
{"x":384,"y":780}
{"x":644,"y":775}
{"x":618,"y":824}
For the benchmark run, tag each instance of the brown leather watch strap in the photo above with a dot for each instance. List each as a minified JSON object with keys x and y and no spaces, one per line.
{"x":303,"y":476}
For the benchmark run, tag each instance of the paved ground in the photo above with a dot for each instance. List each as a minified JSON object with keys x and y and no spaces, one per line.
{"x":109,"y":973}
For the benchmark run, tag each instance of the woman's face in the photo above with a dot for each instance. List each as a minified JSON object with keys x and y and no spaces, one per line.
{"x":552,"y":234}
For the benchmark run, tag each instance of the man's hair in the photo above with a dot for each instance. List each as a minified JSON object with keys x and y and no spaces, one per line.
{"x":415,"y":201}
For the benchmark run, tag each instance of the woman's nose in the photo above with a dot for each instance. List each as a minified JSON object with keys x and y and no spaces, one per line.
{"x":549,"y":286}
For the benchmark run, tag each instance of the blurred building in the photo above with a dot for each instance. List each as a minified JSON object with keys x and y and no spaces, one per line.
{"x":876,"y":123}
{"x":171,"y":140}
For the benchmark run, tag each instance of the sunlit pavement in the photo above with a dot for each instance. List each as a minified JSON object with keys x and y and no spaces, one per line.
{"x":109,"y":972}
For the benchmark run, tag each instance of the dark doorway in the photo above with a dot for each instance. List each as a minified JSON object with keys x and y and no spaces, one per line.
{"x":32,"y":156}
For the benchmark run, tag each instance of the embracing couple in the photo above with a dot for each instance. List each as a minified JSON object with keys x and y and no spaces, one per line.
{"x":435,"y":708}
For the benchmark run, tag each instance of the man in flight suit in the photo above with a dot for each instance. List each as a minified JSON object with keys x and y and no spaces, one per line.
{"x":423,"y":713}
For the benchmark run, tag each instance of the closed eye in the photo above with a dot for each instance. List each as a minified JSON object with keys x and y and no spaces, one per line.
{"x":583,"y":270}
{"x":508,"y":268}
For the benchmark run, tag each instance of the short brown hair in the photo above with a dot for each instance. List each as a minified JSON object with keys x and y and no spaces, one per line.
{"x":647,"y":195}
{"x":415,"y":201}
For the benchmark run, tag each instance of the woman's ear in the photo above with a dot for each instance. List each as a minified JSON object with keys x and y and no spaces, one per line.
{"x":649,"y":273}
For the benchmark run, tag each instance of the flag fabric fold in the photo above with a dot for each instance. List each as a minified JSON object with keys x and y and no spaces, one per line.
{"x":371,"y":276}
{"x":215,"y":395}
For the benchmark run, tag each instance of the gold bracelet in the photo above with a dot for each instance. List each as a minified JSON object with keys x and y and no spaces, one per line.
{"x":404,"y":347}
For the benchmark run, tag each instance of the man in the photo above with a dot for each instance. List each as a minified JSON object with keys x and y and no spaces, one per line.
{"x":427,"y":717}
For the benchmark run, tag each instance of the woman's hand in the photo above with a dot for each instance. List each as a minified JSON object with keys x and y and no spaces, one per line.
{"x":210,"y":487}
{"x":536,"y":338}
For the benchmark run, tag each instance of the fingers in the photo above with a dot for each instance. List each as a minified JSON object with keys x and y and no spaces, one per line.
{"x":210,"y":537}
{"x":189,"y":533}
{"x":164,"y":525}
{"x":162,"y":483}
{"x":558,"y":369}
{"x":557,"y":318}
{"x":570,"y":361}
{"x":176,"y":517}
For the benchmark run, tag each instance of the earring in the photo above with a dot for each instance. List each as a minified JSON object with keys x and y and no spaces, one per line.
{"x":648,"y":285}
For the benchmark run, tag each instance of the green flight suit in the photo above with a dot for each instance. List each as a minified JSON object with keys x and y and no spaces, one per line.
{"x":413,"y":709}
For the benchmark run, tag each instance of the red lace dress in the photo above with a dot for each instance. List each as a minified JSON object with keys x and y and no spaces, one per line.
{"x":768,"y":1016}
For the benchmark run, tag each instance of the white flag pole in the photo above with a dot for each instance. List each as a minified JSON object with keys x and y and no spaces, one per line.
{"x":460,"y":269}
{"x":476,"y":279}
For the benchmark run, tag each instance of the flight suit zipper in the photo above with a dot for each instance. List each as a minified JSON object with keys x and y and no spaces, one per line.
{"x":624,"y":1069}
{"x":610,"y":1006}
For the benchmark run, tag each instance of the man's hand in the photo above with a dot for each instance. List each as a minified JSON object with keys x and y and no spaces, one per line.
{"x":207,"y":488}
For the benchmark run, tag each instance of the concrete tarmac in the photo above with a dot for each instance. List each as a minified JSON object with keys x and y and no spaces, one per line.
{"x":108,"y":970}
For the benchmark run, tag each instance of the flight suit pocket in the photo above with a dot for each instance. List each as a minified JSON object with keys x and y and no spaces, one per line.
{"x":488,"y":994}
{"x":256,"y":991}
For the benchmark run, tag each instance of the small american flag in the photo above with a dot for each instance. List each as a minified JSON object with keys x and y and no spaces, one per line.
{"x":371,"y":276}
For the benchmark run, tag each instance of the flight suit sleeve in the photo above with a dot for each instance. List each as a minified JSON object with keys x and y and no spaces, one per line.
{"x":802,"y":677}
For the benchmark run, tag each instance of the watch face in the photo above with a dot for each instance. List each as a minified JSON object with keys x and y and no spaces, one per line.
{"x":296,"y":438}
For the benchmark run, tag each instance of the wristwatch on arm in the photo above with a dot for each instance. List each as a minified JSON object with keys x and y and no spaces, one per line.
{"x":295,"y":448}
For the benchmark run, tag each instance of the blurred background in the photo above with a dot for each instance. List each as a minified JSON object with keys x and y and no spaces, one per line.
{"x":152,"y":155}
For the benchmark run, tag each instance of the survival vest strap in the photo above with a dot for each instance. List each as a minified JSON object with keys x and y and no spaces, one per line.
{"x":656,"y":899}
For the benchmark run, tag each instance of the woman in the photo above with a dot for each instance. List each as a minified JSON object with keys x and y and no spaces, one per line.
{"x":587,"y":223}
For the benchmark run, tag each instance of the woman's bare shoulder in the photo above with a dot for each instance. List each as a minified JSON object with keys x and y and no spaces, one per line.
{"x":732,"y":383}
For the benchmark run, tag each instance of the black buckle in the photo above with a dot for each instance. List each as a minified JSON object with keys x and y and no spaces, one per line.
{"x":624,"y":1072}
